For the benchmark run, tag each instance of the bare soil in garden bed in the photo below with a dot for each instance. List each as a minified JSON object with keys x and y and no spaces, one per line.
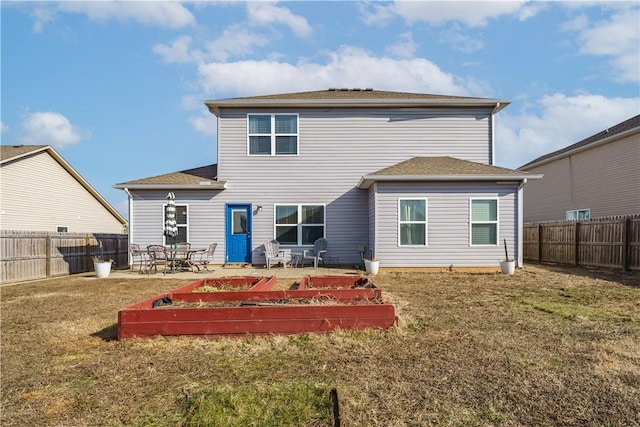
{"x":547,"y":346}
{"x":328,"y":300}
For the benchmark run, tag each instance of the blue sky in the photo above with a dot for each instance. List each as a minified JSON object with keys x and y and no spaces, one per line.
{"x":117,"y":88}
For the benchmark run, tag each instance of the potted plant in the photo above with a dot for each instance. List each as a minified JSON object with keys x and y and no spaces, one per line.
{"x":101,"y":266}
{"x":372,"y":265}
{"x":508,"y":266}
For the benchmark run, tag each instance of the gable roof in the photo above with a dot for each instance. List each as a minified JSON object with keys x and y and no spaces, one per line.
{"x":201,"y":178}
{"x":618,"y":131}
{"x":356,"y":98}
{"x":14,"y":153}
{"x":420,"y":169}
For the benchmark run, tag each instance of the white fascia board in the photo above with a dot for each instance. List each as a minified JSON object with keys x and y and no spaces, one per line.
{"x":495,"y":104}
{"x":367,"y":180}
{"x":210,"y":186}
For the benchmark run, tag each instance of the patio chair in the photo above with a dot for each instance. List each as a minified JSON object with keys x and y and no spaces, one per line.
{"x":139,"y":256}
{"x":201,"y":260}
{"x":317,"y":253}
{"x":179,"y":256}
{"x":273,"y":254}
{"x":157,"y":255}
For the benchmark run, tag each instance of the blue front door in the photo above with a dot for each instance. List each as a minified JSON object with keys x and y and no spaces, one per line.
{"x":238,"y":232}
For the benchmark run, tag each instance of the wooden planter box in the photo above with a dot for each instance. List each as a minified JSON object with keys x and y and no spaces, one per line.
{"x":258,"y":312}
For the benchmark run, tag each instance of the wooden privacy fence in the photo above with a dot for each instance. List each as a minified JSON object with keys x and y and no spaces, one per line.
{"x":29,"y":255}
{"x":601,"y":242}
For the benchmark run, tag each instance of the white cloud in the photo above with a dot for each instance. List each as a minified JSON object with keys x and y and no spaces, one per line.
{"x":48,"y":128}
{"x":204,"y":123}
{"x":466,"y":44}
{"x":404,"y":48}
{"x":265,"y":13}
{"x":563,"y":120}
{"x":470,"y":13}
{"x":3,"y":127}
{"x":163,"y":14}
{"x":176,"y":52}
{"x":617,"y":38}
{"x":234,"y":41}
{"x":343,"y":68}
{"x":41,"y":17}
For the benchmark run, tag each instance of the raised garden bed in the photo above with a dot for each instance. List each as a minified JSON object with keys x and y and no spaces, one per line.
{"x":259,"y":312}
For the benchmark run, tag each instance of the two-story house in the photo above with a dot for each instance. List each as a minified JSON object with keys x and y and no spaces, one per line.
{"x":598,"y":176}
{"x":410,"y":176}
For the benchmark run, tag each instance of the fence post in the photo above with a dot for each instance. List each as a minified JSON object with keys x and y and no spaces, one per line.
{"x":539,"y":242}
{"x":576,"y":242}
{"x":48,"y":256}
{"x":87,"y":253}
{"x":626,"y":230}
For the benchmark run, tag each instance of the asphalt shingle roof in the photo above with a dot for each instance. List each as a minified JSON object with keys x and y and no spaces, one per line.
{"x":11,"y":151}
{"x":185,"y":177}
{"x":425,"y":166}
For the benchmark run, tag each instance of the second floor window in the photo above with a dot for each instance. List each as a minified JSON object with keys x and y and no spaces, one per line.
{"x":272,"y":134}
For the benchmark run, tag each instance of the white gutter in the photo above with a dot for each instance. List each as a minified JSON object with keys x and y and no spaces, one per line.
{"x":208,"y":185}
{"x":520,"y":261}
{"x":215,"y":106}
{"x":130,"y":232}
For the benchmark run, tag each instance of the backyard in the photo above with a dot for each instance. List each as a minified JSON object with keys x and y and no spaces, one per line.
{"x":547,"y":346}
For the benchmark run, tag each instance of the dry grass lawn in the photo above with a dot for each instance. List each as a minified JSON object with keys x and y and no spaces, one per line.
{"x":549,"y":346}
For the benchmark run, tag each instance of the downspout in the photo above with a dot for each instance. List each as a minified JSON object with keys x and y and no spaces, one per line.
{"x":521,"y":221}
{"x":130,"y":233}
{"x":493,"y":134}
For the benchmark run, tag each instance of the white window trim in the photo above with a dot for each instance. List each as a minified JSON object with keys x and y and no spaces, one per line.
{"x":273,"y":134}
{"x":299,"y":224}
{"x":577,"y":214}
{"x":426,"y":222}
{"x":496,"y":222}
{"x":164,"y":207}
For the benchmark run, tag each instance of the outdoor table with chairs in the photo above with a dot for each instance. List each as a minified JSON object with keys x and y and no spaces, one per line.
{"x":174,"y":258}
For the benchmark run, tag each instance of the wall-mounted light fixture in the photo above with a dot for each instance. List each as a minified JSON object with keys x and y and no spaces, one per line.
{"x":259,"y":208}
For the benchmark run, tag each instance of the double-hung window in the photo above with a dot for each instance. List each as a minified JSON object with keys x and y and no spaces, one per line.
{"x":182,"y":223}
{"x":412,"y":224}
{"x":299,"y":224}
{"x":272,"y":134}
{"x":578,"y":214}
{"x":484,"y":221}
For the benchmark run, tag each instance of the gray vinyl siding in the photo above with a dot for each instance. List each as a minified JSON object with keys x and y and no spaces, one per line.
{"x":604,"y":179}
{"x":336,"y":148}
{"x":448,"y":225}
{"x":205,"y":217}
{"x":38,"y":194}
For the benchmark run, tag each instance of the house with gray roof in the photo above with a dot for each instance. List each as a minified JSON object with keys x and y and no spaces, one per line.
{"x":40,"y":191}
{"x":598,"y":176}
{"x":408,"y":176}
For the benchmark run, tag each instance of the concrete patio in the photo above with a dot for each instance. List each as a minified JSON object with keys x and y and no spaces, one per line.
{"x":240,"y":270}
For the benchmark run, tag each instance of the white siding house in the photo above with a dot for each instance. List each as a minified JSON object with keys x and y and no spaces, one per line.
{"x":40,"y":191}
{"x":596,"y":177}
{"x":336,"y":164}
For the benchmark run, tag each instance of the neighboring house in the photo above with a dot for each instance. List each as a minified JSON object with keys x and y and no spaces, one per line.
{"x":40,"y":191}
{"x":598,"y":176}
{"x":409,"y":176}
